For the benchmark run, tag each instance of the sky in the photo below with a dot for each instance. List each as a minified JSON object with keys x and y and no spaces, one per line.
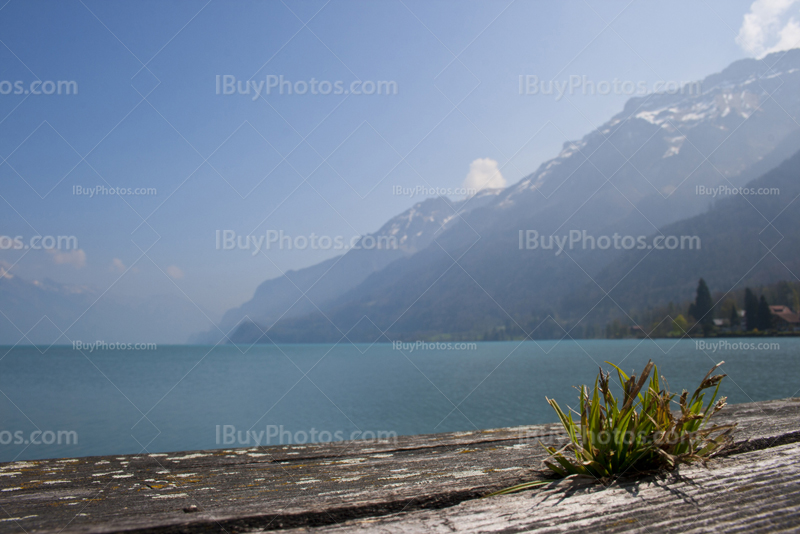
{"x":151,"y":116}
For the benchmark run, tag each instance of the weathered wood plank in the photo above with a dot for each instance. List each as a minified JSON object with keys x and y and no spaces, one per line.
{"x":291,"y":486}
{"x":757,"y":491}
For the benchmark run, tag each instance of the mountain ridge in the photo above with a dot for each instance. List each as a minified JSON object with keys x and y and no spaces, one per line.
{"x":303,"y":291}
{"x":646,"y":159}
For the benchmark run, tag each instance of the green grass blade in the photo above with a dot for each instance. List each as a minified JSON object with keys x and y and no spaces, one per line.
{"x":519,"y":487}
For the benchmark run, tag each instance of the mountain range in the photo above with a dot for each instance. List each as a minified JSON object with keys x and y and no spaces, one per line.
{"x":635,"y":175}
{"x":458,"y":270}
{"x":45,"y":312}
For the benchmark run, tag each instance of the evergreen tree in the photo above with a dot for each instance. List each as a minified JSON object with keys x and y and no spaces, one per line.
{"x":701,"y":309}
{"x":734,"y":319}
{"x":764,"y":316}
{"x":750,"y":309}
{"x":795,"y":300}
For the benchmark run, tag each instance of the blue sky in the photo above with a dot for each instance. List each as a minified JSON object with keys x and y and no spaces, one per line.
{"x":147,"y":115}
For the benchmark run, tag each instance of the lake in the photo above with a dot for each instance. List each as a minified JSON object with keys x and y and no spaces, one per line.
{"x":197,"y":397}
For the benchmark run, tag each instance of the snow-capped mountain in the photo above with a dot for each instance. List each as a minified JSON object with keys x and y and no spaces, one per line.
{"x":651,"y":156}
{"x":636,"y":173}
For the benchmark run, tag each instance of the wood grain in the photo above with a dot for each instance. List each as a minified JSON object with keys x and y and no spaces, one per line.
{"x":413,"y":483}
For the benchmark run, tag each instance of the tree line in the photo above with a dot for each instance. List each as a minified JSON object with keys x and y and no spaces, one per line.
{"x":697,"y":317}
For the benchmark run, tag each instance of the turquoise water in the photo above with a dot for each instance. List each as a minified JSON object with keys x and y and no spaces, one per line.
{"x":187,"y":397}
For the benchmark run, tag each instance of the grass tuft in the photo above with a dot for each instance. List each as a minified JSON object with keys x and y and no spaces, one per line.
{"x":639,"y":433}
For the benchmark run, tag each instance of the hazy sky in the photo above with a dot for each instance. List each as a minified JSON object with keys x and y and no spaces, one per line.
{"x":150,"y":113}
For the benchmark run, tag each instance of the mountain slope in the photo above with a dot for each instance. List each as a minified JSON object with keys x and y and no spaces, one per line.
{"x":306,"y":290}
{"x":746,"y":240}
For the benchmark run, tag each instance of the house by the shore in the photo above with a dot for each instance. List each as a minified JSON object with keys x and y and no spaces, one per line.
{"x":784,"y":318}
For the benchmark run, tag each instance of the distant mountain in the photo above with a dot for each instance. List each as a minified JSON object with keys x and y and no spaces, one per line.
{"x":43,"y":312}
{"x":304,"y":291}
{"x":634,"y":174}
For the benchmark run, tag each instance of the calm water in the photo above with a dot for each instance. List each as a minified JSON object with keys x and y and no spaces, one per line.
{"x":180,"y":397}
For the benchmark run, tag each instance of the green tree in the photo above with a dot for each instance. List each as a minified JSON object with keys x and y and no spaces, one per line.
{"x":616,"y":330}
{"x":764,"y":316}
{"x":795,"y":300}
{"x":750,"y":309}
{"x":734,"y":318}
{"x":679,"y":326}
{"x":701,"y":309}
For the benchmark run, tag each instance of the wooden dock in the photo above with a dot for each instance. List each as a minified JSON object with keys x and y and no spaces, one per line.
{"x":430,"y":483}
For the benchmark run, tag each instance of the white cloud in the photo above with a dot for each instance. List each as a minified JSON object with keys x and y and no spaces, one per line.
{"x":174,"y":272}
{"x":769,"y":27}
{"x":117,"y":265}
{"x":76,"y":258}
{"x":484,"y":174}
{"x":789,"y":37}
{"x":5,"y":267}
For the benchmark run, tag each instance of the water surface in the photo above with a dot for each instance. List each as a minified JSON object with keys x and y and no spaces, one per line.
{"x":181,"y":397}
